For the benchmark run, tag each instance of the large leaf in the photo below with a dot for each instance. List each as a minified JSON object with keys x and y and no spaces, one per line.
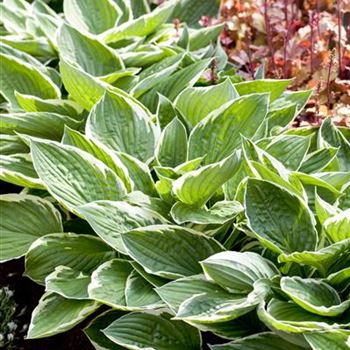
{"x":280,"y":117}
{"x":336,"y":340}
{"x":165,"y":111}
{"x":122,"y":125}
{"x":18,"y":170}
{"x":92,"y":16}
{"x":22,"y":56}
{"x":111,"y":219}
{"x":344,"y":200}
{"x":13,"y":21}
{"x":340,"y":279}
{"x":98,"y":324}
{"x":79,"y":252}
{"x":24,"y":218}
{"x":169,"y":251}
{"x":290,"y":150}
{"x":56,"y":314}
{"x":116,"y":284}
{"x":321,"y":259}
{"x":289,"y":317}
{"x":314,"y":296}
{"x":318,"y":160}
{"x":267,"y":172}
{"x":198,"y":186}
{"x":144,"y":201}
{"x":236,"y":271}
{"x":330,"y":135}
{"x":274,"y":87}
{"x":12,"y":144}
{"x":35,"y":46}
{"x":99,"y":151}
{"x":153,"y":332}
{"x":40,"y":124}
{"x":83,"y":87}
{"x":260,"y":341}
{"x":141,"y":26}
{"x":172,"y":145}
{"x":31,"y":103}
{"x":88,"y":53}
{"x":75,"y":177}
{"x":204,"y":100}
{"x":218,"y":135}
{"x":32,"y":81}
{"x":280,"y":220}
{"x":48,"y":26}
{"x":299,"y":98}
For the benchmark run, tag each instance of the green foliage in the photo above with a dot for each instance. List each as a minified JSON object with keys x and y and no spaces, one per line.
{"x":184,"y":204}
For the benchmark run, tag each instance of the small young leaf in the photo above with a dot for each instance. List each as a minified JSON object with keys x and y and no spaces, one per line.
{"x":198,"y":186}
{"x":338,"y":227}
{"x":172,"y":145}
{"x":69,"y":283}
{"x":219,"y":213}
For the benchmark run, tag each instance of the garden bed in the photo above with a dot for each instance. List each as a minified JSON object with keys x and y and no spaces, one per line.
{"x":158,"y":192}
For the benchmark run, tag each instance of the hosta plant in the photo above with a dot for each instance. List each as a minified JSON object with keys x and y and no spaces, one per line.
{"x":170,"y":210}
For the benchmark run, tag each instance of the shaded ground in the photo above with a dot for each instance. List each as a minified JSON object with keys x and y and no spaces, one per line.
{"x":27,"y":294}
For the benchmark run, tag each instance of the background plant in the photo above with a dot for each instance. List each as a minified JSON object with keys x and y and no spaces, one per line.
{"x":308,"y":40}
{"x":163,"y":197}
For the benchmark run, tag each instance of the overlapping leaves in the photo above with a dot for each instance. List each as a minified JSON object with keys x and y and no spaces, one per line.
{"x":186,"y":207}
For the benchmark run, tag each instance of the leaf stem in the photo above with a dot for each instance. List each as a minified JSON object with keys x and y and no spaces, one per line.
{"x":311,"y":42}
{"x":286,"y":39}
{"x":329,"y":97}
{"x":339,"y":19}
{"x":268,"y":33}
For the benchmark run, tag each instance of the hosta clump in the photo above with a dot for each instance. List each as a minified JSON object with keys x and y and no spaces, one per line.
{"x":190,"y":211}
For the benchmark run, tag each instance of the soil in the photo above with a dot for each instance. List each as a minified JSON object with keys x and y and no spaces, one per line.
{"x":27,"y":295}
